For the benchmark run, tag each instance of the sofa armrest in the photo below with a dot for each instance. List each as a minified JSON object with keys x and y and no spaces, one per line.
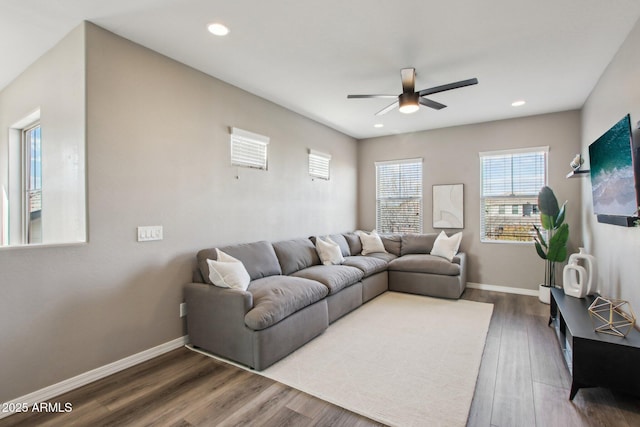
{"x":461,"y":259}
{"x":215,"y":321}
{"x":219,"y":304}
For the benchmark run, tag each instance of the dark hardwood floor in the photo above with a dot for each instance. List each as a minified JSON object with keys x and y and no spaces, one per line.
{"x":522,"y":382}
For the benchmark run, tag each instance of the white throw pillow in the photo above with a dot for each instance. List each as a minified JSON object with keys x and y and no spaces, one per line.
{"x":329,"y":251}
{"x":446,"y":247}
{"x":228,"y":272}
{"x":371,"y":242}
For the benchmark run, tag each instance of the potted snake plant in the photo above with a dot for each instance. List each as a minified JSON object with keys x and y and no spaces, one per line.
{"x":553,"y":249}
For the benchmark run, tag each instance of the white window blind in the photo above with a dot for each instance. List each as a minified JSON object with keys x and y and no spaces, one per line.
{"x":248,"y":149}
{"x":510,"y":182}
{"x":319,"y":164}
{"x":399,"y":196}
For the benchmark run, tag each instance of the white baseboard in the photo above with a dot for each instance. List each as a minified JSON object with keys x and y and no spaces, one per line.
{"x":54,"y":390}
{"x":505,"y":289}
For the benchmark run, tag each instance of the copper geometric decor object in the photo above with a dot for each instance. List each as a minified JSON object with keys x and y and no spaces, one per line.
{"x":612,"y":316}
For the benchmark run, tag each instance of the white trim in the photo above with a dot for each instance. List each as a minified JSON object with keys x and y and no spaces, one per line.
{"x":254,"y":137}
{"x":313,"y":152}
{"x":54,"y":390}
{"x":504,"y":289}
{"x":544,"y":149}
{"x":400,"y":161}
{"x":27,"y":121}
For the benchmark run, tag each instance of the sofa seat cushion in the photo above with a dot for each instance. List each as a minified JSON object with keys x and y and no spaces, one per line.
{"x":334,"y":277}
{"x":424,"y":263}
{"x":368,"y":264}
{"x":276,"y":297}
{"x":385,"y":256}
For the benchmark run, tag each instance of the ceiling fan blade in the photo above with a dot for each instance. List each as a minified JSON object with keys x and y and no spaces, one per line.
{"x":449,"y":86}
{"x":388,"y":108}
{"x":408,"y":80}
{"x":371,"y":96}
{"x":433,"y":104}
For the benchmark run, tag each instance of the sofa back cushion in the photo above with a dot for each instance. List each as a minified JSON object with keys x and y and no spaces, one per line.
{"x":392,"y":243}
{"x":258,"y":258}
{"x":337,"y":238}
{"x":342,"y":242}
{"x":295,"y":255}
{"x":355,"y":245}
{"x":417,"y":243}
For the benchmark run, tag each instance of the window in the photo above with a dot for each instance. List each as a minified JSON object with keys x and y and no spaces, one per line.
{"x":248,"y":149}
{"x":399,"y":196}
{"x":21,"y":202}
{"x":319,"y":164}
{"x":510,"y":182}
{"x":33,"y":182}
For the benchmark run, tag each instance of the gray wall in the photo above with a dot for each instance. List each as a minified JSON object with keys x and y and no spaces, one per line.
{"x":157,"y":154}
{"x":451,"y":157}
{"x":157,"y":151}
{"x":617,"y":249}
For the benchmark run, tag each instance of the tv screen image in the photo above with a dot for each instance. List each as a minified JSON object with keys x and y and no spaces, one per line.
{"x":612,"y":171}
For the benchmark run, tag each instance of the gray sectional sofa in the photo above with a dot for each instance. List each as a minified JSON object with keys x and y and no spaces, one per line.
{"x":293,"y":297}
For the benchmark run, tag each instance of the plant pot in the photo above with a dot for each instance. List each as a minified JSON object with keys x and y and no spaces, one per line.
{"x":544,"y":294}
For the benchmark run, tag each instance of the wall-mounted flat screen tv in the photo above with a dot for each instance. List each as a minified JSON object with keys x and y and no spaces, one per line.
{"x":613,"y":180}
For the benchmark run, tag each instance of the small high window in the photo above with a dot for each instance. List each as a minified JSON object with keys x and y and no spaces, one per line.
{"x":248,"y":149}
{"x":319,"y":164}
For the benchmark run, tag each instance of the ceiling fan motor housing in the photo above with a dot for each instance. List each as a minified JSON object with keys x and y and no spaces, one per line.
{"x":409,"y":102}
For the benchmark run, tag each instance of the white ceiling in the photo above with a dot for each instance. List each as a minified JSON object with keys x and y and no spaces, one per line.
{"x":308,"y":55}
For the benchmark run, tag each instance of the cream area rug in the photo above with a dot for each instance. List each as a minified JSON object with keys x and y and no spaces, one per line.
{"x":400,"y":359}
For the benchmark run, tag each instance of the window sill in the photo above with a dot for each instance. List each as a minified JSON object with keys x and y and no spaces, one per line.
{"x":510,"y":242}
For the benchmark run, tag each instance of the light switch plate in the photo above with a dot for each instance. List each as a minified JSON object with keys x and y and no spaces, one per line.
{"x":149,"y":233}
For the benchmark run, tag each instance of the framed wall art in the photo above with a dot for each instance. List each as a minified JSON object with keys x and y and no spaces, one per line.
{"x":448,"y":206}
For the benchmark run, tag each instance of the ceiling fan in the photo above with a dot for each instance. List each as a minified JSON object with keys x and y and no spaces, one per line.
{"x":409,"y":100}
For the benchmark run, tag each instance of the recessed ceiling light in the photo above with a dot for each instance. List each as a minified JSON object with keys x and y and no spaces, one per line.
{"x":378,"y":125}
{"x":518,"y":103}
{"x":218,"y":29}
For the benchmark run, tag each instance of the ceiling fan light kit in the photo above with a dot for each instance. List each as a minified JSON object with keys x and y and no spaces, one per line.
{"x":409,"y":100}
{"x":409,"y":103}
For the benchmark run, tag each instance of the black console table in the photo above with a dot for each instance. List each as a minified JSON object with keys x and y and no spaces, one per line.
{"x":594,"y":359}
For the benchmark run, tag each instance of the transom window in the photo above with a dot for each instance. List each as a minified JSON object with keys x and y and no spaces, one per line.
{"x":510,"y":182}
{"x":399,"y":196}
{"x":248,"y":149}
{"x":319,"y":164}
